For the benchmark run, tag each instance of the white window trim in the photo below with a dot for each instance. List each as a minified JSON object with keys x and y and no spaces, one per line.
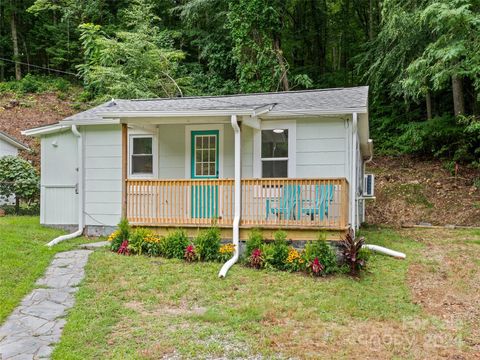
{"x":291,"y":126}
{"x":188,"y":146}
{"x":136,"y":134}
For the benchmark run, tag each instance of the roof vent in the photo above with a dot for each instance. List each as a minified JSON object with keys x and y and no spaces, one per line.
{"x":111,"y":103}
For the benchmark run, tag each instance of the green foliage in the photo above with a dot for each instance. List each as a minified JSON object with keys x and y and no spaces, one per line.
{"x":124,"y":229}
{"x":35,"y":84}
{"x":325,"y":254}
{"x":207,"y":244}
{"x":275,"y":254}
{"x":136,"y":241}
{"x":254,"y":241}
{"x":18,"y":177}
{"x":174,"y":244}
{"x":354,"y":257}
{"x":137,"y":62}
{"x":24,"y":210}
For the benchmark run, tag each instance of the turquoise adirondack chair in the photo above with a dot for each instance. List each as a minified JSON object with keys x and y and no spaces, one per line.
{"x":286,"y":204}
{"x":319,"y":205}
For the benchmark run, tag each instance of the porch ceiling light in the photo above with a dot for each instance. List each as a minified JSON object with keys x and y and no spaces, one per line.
{"x":278,"y":131}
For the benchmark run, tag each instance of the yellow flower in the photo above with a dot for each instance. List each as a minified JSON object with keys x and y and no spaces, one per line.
{"x":227,"y":249}
{"x":113,"y":235}
{"x":152,"y":238}
{"x":293,"y":255}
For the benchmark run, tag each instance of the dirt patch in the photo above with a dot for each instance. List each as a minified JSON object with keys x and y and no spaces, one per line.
{"x":410,"y":338}
{"x":411,"y":191}
{"x":447,"y":282}
{"x":18,"y":113}
{"x":173,"y":310}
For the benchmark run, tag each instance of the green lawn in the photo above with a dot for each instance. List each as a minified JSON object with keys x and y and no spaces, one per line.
{"x":151,"y":308}
{"x":148,"y":308}
{"x":24,"y":257}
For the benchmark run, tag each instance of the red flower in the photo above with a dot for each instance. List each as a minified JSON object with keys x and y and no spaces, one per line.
{"x":190,"y":254}
{"x":256,"y":260}
{"x":317,"y":267}
{"x":124,"y":248}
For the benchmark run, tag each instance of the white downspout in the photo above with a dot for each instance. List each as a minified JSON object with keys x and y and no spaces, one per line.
{"x":81,"y":224}
{"x":353,"y":178}
{"x":237,"y":208}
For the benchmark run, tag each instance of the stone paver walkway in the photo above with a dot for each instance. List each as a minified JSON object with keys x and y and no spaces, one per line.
{"x":35,"y":326}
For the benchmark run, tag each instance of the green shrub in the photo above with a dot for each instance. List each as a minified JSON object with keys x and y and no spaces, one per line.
{"x":276,"y":254}
{"x":207,"y":244}
{"x":28,"y":209}
{"x":323,"y":252}
{"x":174,"y":244}
{"x":152,"y":245}
{"x":137,"y":239}
{"x":255,"y":241}
{"x":18,"y":177}
{"x":124,"y":228}
{"x":118,"y":236}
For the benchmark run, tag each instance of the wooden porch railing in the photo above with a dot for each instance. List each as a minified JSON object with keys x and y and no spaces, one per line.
{"x":282,"y":203}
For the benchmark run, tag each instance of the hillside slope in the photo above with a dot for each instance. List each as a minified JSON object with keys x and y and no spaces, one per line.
{"x":19,"y":113}
{"x":408,"y":190}
{"x":411,"y":191}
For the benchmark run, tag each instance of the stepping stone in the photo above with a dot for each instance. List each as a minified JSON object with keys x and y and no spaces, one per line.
{"x":96,"y":245}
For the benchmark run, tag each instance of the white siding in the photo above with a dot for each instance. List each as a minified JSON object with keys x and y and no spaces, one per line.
{"x":247,"y":152}
{"x":7,"y":149}
{"x":58,"y":200}
{"x":228,"y":152}
{"x":103,"y":174}
{"x":171,"y":151}
{"x":321,"y":148}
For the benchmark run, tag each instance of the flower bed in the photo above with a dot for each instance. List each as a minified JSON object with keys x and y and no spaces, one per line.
{"x":317,"y":258}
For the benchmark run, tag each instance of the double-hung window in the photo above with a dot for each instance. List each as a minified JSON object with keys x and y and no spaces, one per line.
{"x":274,"y":156}
{"x":141,"y":155}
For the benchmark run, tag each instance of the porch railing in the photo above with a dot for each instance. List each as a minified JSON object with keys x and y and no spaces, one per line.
{"x":282,"y":203}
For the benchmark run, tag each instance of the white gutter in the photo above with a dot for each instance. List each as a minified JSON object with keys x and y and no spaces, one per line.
{"x":238,"y":208}
{"x":81,"y":223}
{"x":353,"y":172}
{"x":44,"y":130}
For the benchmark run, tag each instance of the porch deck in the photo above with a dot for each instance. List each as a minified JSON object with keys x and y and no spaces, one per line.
{"x":309,"y":204}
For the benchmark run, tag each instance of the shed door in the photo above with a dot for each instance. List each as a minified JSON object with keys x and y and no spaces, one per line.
{"x":204,"y":165}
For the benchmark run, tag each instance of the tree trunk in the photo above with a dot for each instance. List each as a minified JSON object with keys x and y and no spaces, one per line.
{"x":16,"y":56}
{"x":458,"y":101}
{"x":281,"y":62}
{"x":319,"y":17}
{"x":428,"y":103}
{"x":371,"y":33}
{"x":17,"y":205}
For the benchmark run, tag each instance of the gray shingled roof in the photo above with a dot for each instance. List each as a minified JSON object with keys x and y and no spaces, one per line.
{"x":11,"y":140}
{"x":328,"y":100}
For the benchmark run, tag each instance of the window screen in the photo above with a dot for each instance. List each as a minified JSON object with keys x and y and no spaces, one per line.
{"x":142,"y":155}
{"x":275,"y":153}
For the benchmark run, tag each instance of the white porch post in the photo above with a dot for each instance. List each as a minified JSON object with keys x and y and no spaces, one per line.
{"x":237,"y":198}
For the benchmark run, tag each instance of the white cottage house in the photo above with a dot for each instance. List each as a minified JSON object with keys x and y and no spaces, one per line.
{"x":290,"y":160}
{"x":9,"y":146}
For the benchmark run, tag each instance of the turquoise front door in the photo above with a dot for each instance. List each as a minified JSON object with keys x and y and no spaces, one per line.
{"x":204,"y":165}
